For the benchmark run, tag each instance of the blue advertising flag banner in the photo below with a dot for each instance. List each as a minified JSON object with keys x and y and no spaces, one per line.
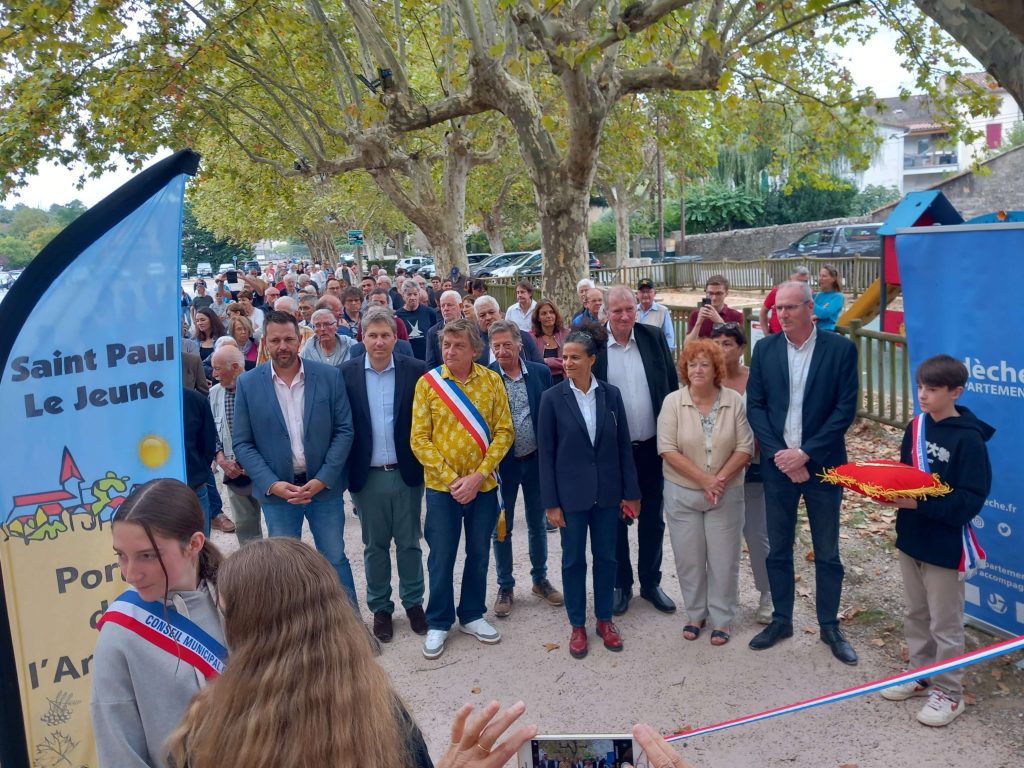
{"x":91,"y":397}
{"x":948,"y":274}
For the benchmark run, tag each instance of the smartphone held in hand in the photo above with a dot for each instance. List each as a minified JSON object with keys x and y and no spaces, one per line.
{"x":582,"y":751}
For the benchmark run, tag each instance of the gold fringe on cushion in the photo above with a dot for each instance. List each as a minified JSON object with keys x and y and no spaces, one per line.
{"x":878,"y":491}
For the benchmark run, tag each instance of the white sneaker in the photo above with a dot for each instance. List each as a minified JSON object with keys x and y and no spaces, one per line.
{"x":940,"y":709}
{"x":482,"y":631}
{"x":765,"y":608}
{"x":433,"y":646}
{"x":904,"y":691}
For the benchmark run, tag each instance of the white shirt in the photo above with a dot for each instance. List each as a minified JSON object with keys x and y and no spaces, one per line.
{"x":799,"y":364}
{"x":587,"y":401}
{"x":626,"y":371}
{"x":524,"y":320}
{"x":292,"y":400}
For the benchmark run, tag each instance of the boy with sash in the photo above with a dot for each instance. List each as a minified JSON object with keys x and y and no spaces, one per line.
{"x":461,"y":429}
{"x":937,"y":547}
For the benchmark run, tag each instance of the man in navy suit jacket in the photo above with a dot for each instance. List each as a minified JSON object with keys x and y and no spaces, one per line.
{"x":292,"y":435}
{"x":638,"y":361}
{"x":525,"y":382}
{"x":385,"y":479}
{"x":801,"y":399}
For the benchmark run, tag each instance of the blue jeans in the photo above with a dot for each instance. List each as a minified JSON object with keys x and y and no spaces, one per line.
{"x":822,"y":500}
{"x":204,"y":501}
{"x":603,"y":526}
{"x":525,"y":475}
{"x":216,"y":503}
{"x":442,"y":529}
{"x":326,"y":523}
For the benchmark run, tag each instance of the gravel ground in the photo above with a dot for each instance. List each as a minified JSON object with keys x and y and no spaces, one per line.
{"x":673,"y":684}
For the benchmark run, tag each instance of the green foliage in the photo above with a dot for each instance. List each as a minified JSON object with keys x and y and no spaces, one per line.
{"x":601,"y":234}
{"x":24,"y":230}
{"x":871,"y":197}
{"x":1015,"y":136}
{"x":807,"y":203}
{"x":200,"y":244}
{"x":718,"y":207}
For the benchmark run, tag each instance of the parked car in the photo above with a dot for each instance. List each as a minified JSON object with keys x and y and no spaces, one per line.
{"x":184,"y":271}
{"x":486,"y":268}
{"x":412,"y":263}
{"x":225,"y":267}
{"x":204,"y":269}
{"x":6,"y":281}
{"x":253,"y":264}
{"x":476,"y":258}
{"x":843,"y":240}
{"x":427,"y":270}
{"x":535,"y":267}
{"x":531,"y":259}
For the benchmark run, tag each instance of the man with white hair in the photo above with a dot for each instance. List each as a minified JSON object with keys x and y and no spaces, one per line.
{"x":327,"y":345}
{"x":582,"y":287}
{"x":394,"y":299}
{"x":450,"y":306}
{"x":289,"y":305}
{"x":487,"y":311}
{"x":228,"y":365}
{"x":418,"y":318}
{"x":637,"y":360}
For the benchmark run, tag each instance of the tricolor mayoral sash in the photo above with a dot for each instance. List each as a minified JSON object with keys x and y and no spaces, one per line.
{"x":168,"y":630}
{"x":473,"y":422}
{"x":972,"y":556}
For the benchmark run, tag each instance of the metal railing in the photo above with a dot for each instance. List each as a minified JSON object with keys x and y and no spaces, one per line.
{"x":883,"y":367}
{"x":857,"y":272}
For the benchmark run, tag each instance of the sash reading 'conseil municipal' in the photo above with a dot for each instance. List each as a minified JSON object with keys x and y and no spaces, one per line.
{"x":168,"y":630}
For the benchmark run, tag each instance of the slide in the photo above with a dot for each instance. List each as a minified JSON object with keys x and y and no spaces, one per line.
{"x":868,"y":305}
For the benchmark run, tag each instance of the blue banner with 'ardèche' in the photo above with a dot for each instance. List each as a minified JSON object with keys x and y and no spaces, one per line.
{"x":948,"y":275}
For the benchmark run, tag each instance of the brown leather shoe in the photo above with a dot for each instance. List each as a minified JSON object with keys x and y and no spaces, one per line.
{"x":608,"y":632}
{"x":382,"y":627}
{"x":223,"y":523}
{"x":544,"y":589}
{"x":503,"y":603}
{"x":417,"y":619}
{"x":578,"y":642}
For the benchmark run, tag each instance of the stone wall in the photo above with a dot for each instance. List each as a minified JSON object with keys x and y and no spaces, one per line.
{"x":973,"y":194}
{"x":746,"y":244}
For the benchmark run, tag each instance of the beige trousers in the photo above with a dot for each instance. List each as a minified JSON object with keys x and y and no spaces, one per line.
{"x":706,"y":544}
{"x":934,"y":619}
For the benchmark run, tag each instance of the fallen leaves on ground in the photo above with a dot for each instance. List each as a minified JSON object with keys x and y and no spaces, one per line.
{"x":849,"y":614}
{"x":878,"y":642}
{"x":474,"y":690}
{"x":549,"y":647}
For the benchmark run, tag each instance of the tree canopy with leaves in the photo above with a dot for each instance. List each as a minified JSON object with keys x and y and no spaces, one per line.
{"x":416,"y":93}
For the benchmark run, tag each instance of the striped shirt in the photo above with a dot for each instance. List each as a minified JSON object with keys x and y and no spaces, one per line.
{"x":440,"y":442}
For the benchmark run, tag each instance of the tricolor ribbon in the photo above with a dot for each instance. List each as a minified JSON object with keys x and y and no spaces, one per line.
{"x":168,"y":630}
{"x":964,"y":660}
{"x":972,"y":556}
{"x":472,"y":420}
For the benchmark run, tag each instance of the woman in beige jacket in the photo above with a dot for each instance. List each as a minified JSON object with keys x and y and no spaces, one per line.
{"x":705,"y":441}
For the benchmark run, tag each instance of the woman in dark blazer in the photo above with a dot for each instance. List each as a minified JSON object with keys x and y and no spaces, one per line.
{"x":587,"y":476}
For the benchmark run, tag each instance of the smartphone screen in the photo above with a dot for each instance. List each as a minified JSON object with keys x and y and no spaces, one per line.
{"x":582,"y":751}
{"x":233,"y":284}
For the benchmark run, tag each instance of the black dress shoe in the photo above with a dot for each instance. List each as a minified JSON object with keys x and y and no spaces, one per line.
{"x":620,"y":600}
{"x":841,"y":648}
{"x":382,"y":626}
{"x":657,"y":597}
{"x":770,"y":635}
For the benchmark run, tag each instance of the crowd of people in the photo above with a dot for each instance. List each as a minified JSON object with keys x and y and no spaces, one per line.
{"x":408,"y":394}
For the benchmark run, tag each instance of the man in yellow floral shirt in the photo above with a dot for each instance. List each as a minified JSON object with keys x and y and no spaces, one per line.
{"x":461,"y":429}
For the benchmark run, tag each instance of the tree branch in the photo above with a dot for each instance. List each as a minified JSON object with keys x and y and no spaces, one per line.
{"x":701,"y":77}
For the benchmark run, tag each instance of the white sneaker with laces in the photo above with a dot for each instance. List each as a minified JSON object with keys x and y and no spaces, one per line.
{"x":940,"y":709}
{"x":433,"y":646}
{"x":765,"y":608}
{"x":905,"y":691}
{"x":482,"y":631}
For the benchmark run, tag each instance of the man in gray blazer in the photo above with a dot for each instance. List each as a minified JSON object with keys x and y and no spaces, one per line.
{"x":292,"y":435}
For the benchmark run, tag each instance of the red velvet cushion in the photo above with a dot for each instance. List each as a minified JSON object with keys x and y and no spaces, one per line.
{"x":886,"y":480}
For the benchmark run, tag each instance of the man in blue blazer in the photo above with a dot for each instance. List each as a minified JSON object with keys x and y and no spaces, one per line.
{"x":801,"y":399}
{"x":524,"y":382}
{"x":292,"y":435}
{"x":385,"y":479}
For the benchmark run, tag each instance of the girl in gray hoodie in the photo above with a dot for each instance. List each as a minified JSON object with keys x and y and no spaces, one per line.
{"x":162,"y":639}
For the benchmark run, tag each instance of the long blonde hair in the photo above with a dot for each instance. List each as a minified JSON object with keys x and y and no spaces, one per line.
{"x":302,"y":688}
